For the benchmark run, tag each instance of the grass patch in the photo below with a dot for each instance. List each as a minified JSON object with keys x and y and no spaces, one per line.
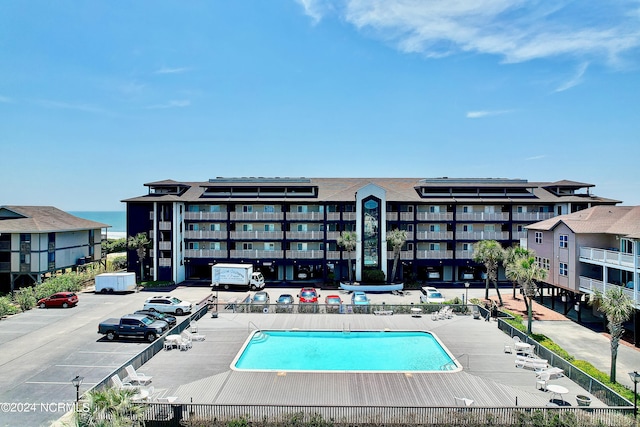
{"x":157,"y":284}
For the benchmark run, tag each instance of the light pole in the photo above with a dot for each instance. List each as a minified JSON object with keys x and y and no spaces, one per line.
{"x":217,"y":286}
{"x":466,"y":292}
{"x":635,"y":377}
{"x":76,"y":383}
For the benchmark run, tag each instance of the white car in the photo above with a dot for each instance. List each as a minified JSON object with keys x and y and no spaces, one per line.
{"x":168,"y":304}
{"x":431,"y":295}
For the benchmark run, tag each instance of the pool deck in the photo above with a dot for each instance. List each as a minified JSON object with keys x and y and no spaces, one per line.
{"x":202,"y":374}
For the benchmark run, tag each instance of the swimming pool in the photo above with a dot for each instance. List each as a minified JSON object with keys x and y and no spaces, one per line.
{"x":350,"y":351}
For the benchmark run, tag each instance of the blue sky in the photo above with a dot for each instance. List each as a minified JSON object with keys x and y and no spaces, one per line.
{"x":99,"y":97}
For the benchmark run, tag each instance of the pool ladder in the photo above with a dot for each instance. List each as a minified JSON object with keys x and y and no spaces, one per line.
{"x":346,"y":329}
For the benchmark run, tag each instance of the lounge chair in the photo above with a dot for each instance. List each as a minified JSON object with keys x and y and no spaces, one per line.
{"x":531,"y":363}
{"x":117,"y":383}
{"x":137,"y":377}
{"x":552,"y":371}
{"x":192,"y":336}
{"x":463,"y":401}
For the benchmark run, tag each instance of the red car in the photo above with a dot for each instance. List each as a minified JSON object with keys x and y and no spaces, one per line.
{"x":60,"y":299}
{"x":308,"y":296}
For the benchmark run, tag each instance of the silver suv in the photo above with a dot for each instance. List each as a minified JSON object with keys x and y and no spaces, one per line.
{"x":168,"y":304}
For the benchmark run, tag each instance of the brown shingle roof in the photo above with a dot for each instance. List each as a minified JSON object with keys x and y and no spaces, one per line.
{"x":620,"y":220}
{"x":42,"y":219}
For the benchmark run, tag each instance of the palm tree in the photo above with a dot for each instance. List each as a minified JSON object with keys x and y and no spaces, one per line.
{"x":139,"y":242}
{"x":348,"y":240}
{"x":397,"y":239}
{"x":111,"y":407}
{"x":511,"y":255}
{"x":527,"y":272}
{"x":618,"y":308}
{"x":489,"y":253}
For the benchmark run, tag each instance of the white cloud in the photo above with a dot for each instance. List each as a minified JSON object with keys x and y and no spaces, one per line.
{"x":539,"y":157}
{"x":575,"y":80}
{"x":516,"y":30}
{"x":165,"y":70}
{"x":485,"y":113}
{"x":181,"y":103}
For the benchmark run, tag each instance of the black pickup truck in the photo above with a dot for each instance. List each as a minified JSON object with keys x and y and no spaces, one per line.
{"x":133,"y":325}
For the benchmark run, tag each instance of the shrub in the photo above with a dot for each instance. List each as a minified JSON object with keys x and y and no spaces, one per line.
{"x":118,"y":263}
{"x":25,"y":298}
{"x":6,"y":307}
{"x":373,"y":276}
{"x":115,"y":246}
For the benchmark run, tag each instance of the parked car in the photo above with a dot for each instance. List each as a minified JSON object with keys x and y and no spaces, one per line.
{"x":333,"y":303}
{"x":284,"y":303}
{"x":308,"y":296}
{"x":171,"y":320}
{"x":260,"y":298}
{"x":430,"y":295}
{"x":59,"y":299}
{"x":359,"y":298}
{"x":168,"y":304}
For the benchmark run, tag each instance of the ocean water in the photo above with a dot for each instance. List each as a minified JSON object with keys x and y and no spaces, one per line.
{"x":116,"y":219}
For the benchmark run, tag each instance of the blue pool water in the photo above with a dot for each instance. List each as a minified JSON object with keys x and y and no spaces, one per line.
{"x":355,"y":351}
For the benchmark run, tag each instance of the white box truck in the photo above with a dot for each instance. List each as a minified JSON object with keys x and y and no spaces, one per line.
{"x":115,"y":282}
{"x":240,"y":276}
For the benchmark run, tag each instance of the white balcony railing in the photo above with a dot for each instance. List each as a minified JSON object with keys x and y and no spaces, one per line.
{"x":531,"y":216}
{"x":435,"y":235}
{"x":257,"y":254}
{"x":348,"y":216}
{"x":164,"y":246}
{"x":205,"y":215}
{"x":392,"y":216}
{"x":482,"y":216}
{"x":461,"y":254}
{"x":164,"y":262}
{"x":257,"y":216}
{"x":609,"y":257}
{"x":306,"y":216}
{"x":305,"y":235}
{"x":403,"y":255}
{"x":309,"y":254}
{"x":333,"y":216}
{"x":205,"y":234}
{"x":205,"y":253}
{"x":592,"y":285}
{"x":333,"y":235}
{"x":257,"y":235}
{"x":482,"y":235}
{"x":333,"y":254}
{"x":434,"y":216}
{"x":164,"y":225}
{"x":427,"y":254}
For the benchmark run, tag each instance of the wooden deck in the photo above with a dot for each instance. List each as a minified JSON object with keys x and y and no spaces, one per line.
{"x":489,"y":376}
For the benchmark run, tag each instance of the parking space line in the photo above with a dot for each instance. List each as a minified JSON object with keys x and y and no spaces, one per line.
{"x":88,"y":366}
{"x":108,"y":352}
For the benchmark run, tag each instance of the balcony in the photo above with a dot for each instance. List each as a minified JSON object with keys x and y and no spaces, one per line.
{"x":205,"y":216}
{"x":206,"y":253}
{"x":257,"y":216}
{"x":333,"y":235}
{"x":403,"y":255}
{"x":435,"y":235}
{"x":333,"y":216}
{"x":309,"y":254}
{"x":164,"y":262}
{"x":257,"y":235}
{"x":164,"y":246}
{"x":164,"y":225}
{"x":392,"y":216}
{"x":205,"y":234}
{"x":519,"y":235}
{"x":427,"y":254}
{"x":333,"y":255}
{"x":482,"y":235}
{"x":305,"y":216}
{"x":348,"y":216}
{"x":482,"y":216}
{"x":592,"y":285}
{"x":434,"y":216}
{"x":305,"y":235}
{"x":608,"y":257}
{"x":5,"y":266}
{"x":531,"y":216}
{"x":257,"y":254}
{"x":461,"y":254}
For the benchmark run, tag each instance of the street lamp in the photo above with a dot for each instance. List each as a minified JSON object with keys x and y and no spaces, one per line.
{"x":76,"y":383}
{"x":466,"y":292}
{"x":635,"y":377}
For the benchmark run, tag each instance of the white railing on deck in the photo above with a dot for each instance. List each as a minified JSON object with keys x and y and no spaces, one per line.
{"x":607,"y":257}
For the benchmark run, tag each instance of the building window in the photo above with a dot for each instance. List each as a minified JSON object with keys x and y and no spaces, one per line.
{"x":490,"y":228}
{"x":434,"y":246}
{"x":564,"y":268}
{"x":247,"y":227}
{"x":467,"y":227}
{"x":467,"y":247}
{"x":269,"y":209}
{"x":269,"y":246}
{"x":564,"y":240}
{"x":269,"y":227}
{"x":247,"y":246}
{"x":434,"y":227}
{"x":520,"y":228}
{"x":538,"y":237}
{"x":434,"y":209}
{"x":247,"y":208}
{"x":215,"y":227}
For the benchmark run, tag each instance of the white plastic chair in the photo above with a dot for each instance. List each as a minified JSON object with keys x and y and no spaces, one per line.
{"x":137,"y":377}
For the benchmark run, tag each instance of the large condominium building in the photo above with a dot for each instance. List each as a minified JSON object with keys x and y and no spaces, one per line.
{"x":288,"y":227}
{"x":591,"y":250}
{"x":37,"y":240}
